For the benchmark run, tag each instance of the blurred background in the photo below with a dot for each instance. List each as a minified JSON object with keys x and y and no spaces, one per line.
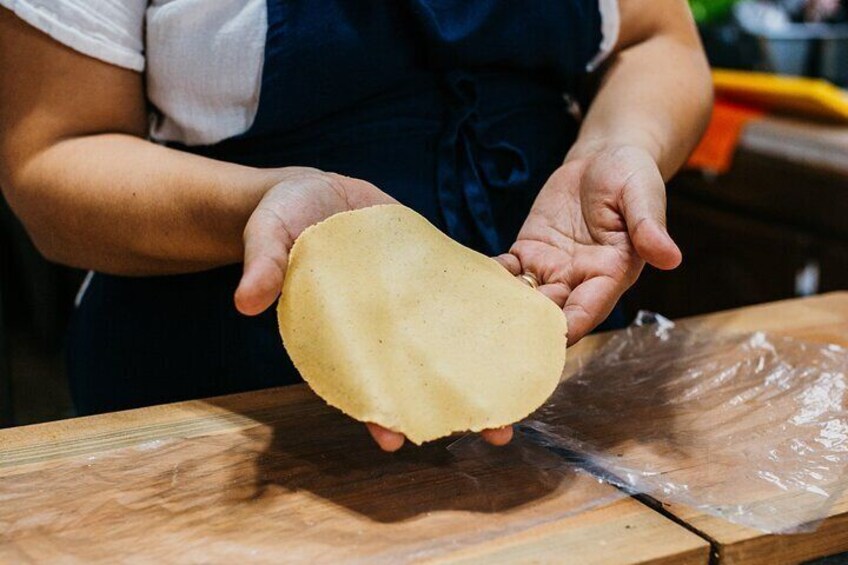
{"x":761,"y":210}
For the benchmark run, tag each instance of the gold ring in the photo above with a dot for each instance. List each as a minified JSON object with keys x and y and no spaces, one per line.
{"x":530,"y":279}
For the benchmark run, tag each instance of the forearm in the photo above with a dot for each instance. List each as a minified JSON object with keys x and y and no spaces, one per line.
{"x":92,"y":192}
{"x":656,"y":94}
{"x":119,"y":204}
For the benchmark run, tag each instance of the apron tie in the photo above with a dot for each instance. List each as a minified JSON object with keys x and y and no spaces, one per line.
{"x":470,"y":162}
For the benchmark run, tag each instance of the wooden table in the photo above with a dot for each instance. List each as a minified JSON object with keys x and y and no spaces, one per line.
{"x":821,"y":319}
{"x":276,"y":475}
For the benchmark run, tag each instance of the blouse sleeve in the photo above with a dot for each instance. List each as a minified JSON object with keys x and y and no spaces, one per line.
{"x":610,"y":25}
{"x":109,"y":30}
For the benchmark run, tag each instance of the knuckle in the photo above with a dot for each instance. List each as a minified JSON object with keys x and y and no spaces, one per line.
{"x":338,"y":184}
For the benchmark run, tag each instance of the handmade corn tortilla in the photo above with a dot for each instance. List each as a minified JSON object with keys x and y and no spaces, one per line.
{"x":392,"y":322}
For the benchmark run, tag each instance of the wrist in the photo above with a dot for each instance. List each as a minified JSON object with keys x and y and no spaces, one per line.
{"x":245,"y":196}
{"x":224,"y":215}
{"x":587,"y":147}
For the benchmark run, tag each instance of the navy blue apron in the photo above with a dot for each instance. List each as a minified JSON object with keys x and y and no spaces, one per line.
{"x":455,"y":108}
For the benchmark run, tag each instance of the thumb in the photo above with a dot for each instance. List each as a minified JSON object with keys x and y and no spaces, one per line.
{"x":643,"y":207}
{"x":266,"y":252}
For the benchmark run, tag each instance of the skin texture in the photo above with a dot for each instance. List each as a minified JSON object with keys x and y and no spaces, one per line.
{"x":93,"y":193}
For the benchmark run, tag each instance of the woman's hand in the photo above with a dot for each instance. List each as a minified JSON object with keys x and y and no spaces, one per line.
{"x":304,"y":197}
{"x":301,"y":198}
{"x":595,"y":223}
{"x":601,"y":215}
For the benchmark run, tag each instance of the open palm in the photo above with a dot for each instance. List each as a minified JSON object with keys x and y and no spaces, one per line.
{"x":302,"y":198}
{"x":592,"y":228}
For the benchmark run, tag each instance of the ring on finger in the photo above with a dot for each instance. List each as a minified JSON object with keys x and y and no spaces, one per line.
{"x":530,"y":279}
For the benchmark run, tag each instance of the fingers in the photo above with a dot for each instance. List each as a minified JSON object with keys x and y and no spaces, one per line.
{"x":392,"y":441}
{"x":589,"y":304}
{"x":654,"y":245}
{"x":361,"y":194}
{"x":510,"y":262}
{"x":498,"y":436}
{"x":313,"y":196}
{"x":266,"y":246}
{"x":643,"y":207}
{"x":556,"y":292}
{"x":387,"y":440}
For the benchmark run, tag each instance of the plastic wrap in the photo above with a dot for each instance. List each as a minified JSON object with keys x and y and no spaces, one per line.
{"x":752,"y":428}
{"x":315,"y":491}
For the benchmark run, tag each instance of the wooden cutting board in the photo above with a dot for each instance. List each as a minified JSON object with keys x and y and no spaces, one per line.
{"x":822,"y":319}
{"x":278,"y":476}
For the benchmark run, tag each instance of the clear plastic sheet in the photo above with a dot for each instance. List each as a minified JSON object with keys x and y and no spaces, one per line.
{"x":752,"y":428}
{"x":302,"y":485}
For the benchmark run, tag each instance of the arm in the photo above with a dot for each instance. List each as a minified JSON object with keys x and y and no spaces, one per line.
{"x":92,"y":192}
{"x":656,"y":92}
{"x":601,"y":216}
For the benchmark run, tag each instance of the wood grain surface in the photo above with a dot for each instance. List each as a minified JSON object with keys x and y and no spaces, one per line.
{"x":822,"y":319}
{"x":277,"y":476}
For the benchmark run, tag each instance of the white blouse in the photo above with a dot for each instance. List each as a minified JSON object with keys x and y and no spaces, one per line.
{"x":202,"y":59}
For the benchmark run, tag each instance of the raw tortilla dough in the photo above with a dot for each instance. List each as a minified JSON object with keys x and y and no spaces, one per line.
{"x":392,"y":322}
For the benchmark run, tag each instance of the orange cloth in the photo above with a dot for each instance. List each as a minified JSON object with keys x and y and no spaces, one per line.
{"x":715,"y":151}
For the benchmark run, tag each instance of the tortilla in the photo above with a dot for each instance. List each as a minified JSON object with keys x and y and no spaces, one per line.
{"x":392,"y":322}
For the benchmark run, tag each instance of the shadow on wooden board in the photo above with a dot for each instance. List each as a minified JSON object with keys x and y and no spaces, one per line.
{"x":336,"y":460}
